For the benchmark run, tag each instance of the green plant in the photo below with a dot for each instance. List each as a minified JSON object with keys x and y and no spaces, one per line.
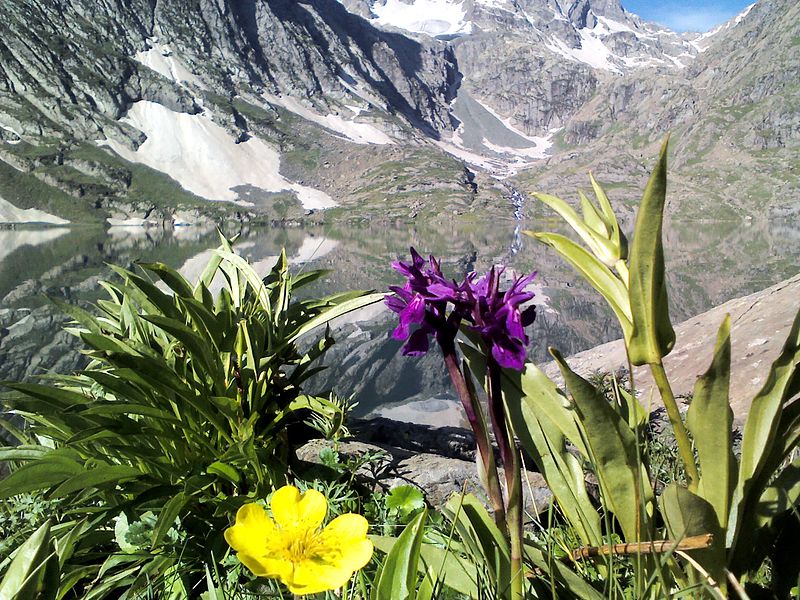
{"x":184,"y":413}
{"x":741,"y":502}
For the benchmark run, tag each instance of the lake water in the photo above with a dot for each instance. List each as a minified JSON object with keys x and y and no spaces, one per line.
{"x":708,"y":262}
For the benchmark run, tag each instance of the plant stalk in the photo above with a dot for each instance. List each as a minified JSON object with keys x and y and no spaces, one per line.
{"x":472,"y":409}
{"x":511,"y":467}
{"x":678,"y":427}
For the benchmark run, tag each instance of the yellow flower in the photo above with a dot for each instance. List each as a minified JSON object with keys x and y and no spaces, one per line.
{"x":292,"y":546}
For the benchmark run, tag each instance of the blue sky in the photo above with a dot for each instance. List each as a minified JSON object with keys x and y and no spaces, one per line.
{"x":687,"y":15}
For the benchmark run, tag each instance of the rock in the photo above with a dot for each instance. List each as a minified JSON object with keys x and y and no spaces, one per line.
{"x":760,"y":323}
{"x":439,"y":477}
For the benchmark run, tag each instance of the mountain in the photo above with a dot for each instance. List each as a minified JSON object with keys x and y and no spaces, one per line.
{"x":141,"y":111}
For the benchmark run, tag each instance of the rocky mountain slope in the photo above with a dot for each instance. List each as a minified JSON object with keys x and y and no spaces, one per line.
{"x":143,"y":111}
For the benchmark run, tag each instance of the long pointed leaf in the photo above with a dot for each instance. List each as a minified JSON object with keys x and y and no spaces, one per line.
{"x":652,"y":336}
{"x":623,"y":480}
{"x":710,"y":419}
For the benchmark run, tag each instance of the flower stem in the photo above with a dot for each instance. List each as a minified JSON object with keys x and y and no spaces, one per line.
{"x":511,"y":467}
{"x":472,"y":409}
{"x":678,"y":427}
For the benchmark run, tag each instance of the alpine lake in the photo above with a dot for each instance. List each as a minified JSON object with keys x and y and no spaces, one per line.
{"x":708,"y":263}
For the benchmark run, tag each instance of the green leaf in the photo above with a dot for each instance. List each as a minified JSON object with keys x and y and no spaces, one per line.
{"x":598,"y":275}
{"x":96,"y":477}
{"x":482,"y":539}
{"x":457,"y":573}
{"x":542,"y":418}
{"x":612,"y":447}
{"x":617,"y":237}
{"x":710,"y":420}
{"x":591,"y":217}
{"x":397,"y":579}
{"x":687,"y":514}
{"x":652,"y":336}
{"x":405,"y":499}
{"x":34,"y":571}
{"x":557,"y":572}
{"x":43,"y":473}
{"x":334,"y":312}
{"x":771,"y":432}
{"x":166,"y":518}
{"x":225,"y":471}
{"x":171,"y":277}
{"x":600,"y":246}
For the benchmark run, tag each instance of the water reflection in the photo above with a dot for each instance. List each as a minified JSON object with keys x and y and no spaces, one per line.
{"x":709,"y":263}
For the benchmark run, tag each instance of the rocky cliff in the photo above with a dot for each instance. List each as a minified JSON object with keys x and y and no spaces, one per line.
{"x":110,"y":109}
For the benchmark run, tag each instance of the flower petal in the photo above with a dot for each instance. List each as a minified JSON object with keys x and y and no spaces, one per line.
{"x":291,"y":509}
{"x":418,"y":343}
{"x":252,"y":532}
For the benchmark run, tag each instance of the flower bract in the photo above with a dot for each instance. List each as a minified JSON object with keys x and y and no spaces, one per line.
{"x":293,"y":546}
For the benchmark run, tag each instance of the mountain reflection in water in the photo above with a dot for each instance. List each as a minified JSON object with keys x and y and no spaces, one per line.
{"x":708,"y":263}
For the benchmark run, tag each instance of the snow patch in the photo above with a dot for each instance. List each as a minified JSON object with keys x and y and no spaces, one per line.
{"x":11,"y":214}
{"x":614,"y":26}
{"x":204,"y":159}
{"x":431,"y":17}
{"x":360,"y":133}
{"x":591,"y":52}
{"x":161,"y":60}
{"x":14,"y":131}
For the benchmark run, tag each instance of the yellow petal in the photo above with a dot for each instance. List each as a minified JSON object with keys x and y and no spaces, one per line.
{"x":253,"y":531}
{"x":346,"y":540}
{"x":346,"y":527}
{"x":291,"y":509}
{"x":312,"y":577}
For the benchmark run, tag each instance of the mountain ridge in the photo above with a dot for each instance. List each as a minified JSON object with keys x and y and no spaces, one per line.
{"x":314,"y":80}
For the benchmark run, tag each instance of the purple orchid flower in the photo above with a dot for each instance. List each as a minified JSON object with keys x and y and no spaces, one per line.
{"x":495,"y":315}
{"x":423,"y":301}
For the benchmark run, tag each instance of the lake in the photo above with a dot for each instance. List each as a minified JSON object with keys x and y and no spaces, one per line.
{"x":708,"y":263}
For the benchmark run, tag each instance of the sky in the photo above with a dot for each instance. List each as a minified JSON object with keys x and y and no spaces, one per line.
{"x":687,"y":15}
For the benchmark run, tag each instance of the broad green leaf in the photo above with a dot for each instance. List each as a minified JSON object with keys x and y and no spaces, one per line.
{"x":22,"y":452}
{"x":710,"y":420}
{"x":176,"y":282}
{"x":34,"y":572}
{"x":200,"y":348}
{"x":456,"y":572}
{"x":592,"y":218}
{"x":543,"y":419}
{"x":397,"y":580}
{"x":687,"y":514}
{"x":334,"y":312}
{"x":405,"y":499}
{"x":598,"y":275}
{"x":600,"y":246}
{"x":250,"y":276}
{"x":652,"y":336}
{"x":225,"y":471}
{"x":769,"y":436}
{"x":78,"y":314}
{"x":767,"y":406}
{"x":482,"y":539}
{"x":43,"y":473}
{"x":612,"y":447}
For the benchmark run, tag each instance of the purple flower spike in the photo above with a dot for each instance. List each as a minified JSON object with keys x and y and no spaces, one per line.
{"x":495,"y":315}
